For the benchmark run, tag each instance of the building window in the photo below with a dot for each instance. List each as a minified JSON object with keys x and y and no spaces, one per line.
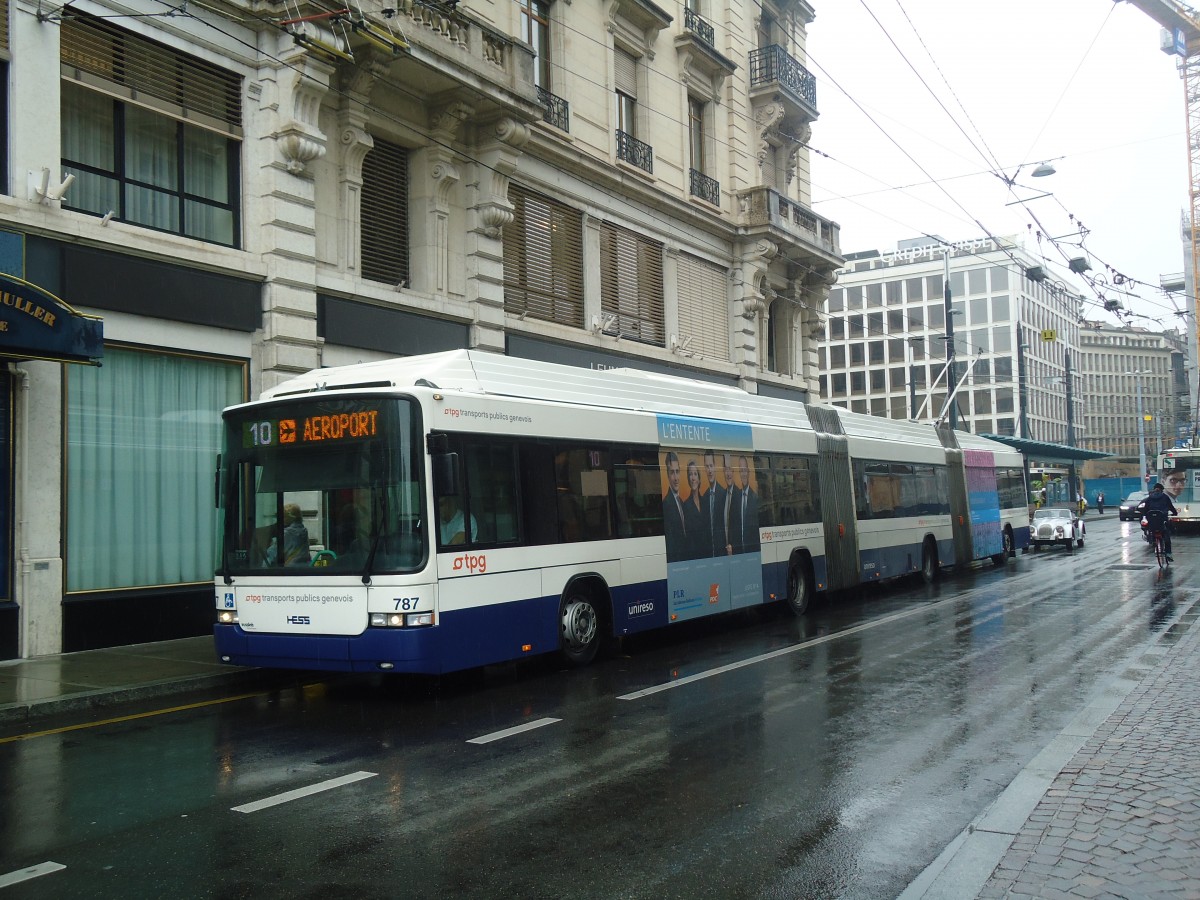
{"x":146,"y":426}
{"x":631,"y":285}
{"x":535,"y":29}
{"x":383,"y":211}
{"x":170,"y":160}
{"x":148,"y":169}
{"x":626,"y":80}
{"x":699,"y":183}
{"x":703,"y":308}
{"x":543,"y":259}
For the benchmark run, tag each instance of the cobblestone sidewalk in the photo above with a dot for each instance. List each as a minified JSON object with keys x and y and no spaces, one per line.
{"x":1122,"y":819}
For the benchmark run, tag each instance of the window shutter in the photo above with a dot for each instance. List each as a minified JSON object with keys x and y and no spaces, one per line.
{"x":703,"y":308}
{"x":3,"y":24}
{"x":383,"y":216}
{"x":625,"y":72}
{"x":104,"y":56}
{"x":631,"y":285}
{"x":543,"y":259}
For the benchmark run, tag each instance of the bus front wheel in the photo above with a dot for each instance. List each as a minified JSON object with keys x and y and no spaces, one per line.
{"x":580,"y":629}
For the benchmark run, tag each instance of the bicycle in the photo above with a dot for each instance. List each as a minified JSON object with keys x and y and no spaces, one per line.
{"x":1154,"y":524}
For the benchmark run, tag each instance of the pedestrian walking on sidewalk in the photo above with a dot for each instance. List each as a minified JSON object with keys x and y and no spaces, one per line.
{"x":1100,"y":503}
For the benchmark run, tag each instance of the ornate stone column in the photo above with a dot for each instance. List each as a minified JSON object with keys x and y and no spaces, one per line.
{"x":812,"y":292}
{"x":354,"y":143}
{"x":498,"y":152}
{"x":281,"y":220}
{"x":750,"y":292}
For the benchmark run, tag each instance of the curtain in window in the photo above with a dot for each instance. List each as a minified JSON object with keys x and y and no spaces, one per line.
{"x":143,"y":432}
{"x":87,"y":139}
{"x":206,"y":170}
{"x":151,"y":157}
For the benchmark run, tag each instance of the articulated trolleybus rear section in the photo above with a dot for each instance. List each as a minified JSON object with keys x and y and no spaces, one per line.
{"x":448,"y":511}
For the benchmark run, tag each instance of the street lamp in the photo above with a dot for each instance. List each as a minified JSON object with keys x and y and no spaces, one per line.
{"x":1141,"y":419}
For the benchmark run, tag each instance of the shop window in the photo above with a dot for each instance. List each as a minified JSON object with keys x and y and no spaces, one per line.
{"x":143,"y":434}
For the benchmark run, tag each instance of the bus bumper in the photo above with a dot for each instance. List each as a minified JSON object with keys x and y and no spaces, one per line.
{"x":375,"y":650}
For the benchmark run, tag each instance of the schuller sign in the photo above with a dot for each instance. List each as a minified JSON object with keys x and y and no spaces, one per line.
{"x":34,"y":324}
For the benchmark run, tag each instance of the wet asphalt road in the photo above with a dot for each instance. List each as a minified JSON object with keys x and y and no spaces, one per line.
{"x":756,"y":756}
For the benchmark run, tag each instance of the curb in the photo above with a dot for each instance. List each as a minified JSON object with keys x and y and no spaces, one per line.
{"x":966,"y":865}
{"x":101,"y":698}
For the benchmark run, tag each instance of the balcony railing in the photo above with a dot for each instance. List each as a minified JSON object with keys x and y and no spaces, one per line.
{"x":708,"y":189}
{"x":697,"y":26}
{"x":773,"y":64}
{"x":634,"y":152}
{"x":555,"y":110}
{"x":762,"y":206}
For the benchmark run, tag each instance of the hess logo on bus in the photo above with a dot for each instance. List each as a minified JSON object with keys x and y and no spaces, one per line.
{"x":299,"y":620}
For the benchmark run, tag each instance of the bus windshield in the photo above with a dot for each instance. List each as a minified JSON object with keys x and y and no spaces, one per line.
{"x":323,"y":486}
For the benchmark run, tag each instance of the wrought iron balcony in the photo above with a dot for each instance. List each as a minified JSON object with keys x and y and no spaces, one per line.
{"x":773,"y":65}
{"x":634,"y":152}
{"x":697,"y":26}
{"x":708,"y":189}
{"x":555,"y":110}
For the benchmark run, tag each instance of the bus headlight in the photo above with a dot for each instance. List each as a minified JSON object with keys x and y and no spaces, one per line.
{"x":227,"y":617}
{"x":400,"y":620}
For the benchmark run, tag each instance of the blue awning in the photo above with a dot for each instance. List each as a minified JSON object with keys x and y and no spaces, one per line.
{"x":1045,"y":450}
{"x":34,"y":324}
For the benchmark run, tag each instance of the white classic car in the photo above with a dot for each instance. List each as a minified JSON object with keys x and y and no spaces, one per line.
{"x":1056,"y":525}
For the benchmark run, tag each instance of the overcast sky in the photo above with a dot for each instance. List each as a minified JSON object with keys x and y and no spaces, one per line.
{"x":1027,"y":80}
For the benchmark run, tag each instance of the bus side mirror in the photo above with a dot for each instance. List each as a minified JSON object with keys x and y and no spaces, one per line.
{"x":445,"y":474}
{"x":217,"y":484}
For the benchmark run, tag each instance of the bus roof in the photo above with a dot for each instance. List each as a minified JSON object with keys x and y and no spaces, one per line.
{"x":480,"y":372}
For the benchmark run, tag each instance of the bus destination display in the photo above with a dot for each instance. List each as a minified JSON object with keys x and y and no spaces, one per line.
{"x":346,"y":426}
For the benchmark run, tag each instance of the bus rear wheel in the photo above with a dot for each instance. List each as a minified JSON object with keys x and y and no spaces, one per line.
{"x":799,"y":587}
{"x":1001,"y":558}
{"x":929,"y":561}
{"x":580,"y":626}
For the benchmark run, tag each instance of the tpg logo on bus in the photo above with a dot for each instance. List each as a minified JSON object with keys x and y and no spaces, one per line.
{"x":471,"y":562}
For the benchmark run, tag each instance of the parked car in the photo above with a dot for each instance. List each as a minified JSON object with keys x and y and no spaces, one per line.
{"x":1129,"y":504}
{"x":1056,"y":525}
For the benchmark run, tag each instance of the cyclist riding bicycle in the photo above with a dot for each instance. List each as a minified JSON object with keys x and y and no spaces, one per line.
{"x":1156,"y":507}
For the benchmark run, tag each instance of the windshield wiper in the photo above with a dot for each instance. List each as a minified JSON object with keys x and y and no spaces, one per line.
{"x":381,"y":524}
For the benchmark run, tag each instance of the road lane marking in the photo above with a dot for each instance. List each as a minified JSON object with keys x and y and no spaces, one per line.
{"x":303,"y":792}
{"x":37,"y":871}
{"x":509,"y":732}
{"x":145,"y":715}
{"x":783,"y":651}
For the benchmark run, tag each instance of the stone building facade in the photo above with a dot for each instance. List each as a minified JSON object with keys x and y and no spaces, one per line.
{"x":244,"y":191}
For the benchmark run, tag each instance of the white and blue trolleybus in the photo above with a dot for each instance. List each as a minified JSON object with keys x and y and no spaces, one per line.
{"x":448,"y":511}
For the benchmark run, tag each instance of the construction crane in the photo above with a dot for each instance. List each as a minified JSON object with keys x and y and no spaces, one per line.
{"x":1181,"y":37}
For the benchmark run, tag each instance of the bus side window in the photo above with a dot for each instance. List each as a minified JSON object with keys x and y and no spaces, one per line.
{"x":539,"y":512}
{"x":581,"y":479}
{"x":492,"y":492}
{"x":768,"y":492}
{"x":638,"y":493}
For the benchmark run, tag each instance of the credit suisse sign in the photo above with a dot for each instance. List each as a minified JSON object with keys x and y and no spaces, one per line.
{"x":34,"y":324}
